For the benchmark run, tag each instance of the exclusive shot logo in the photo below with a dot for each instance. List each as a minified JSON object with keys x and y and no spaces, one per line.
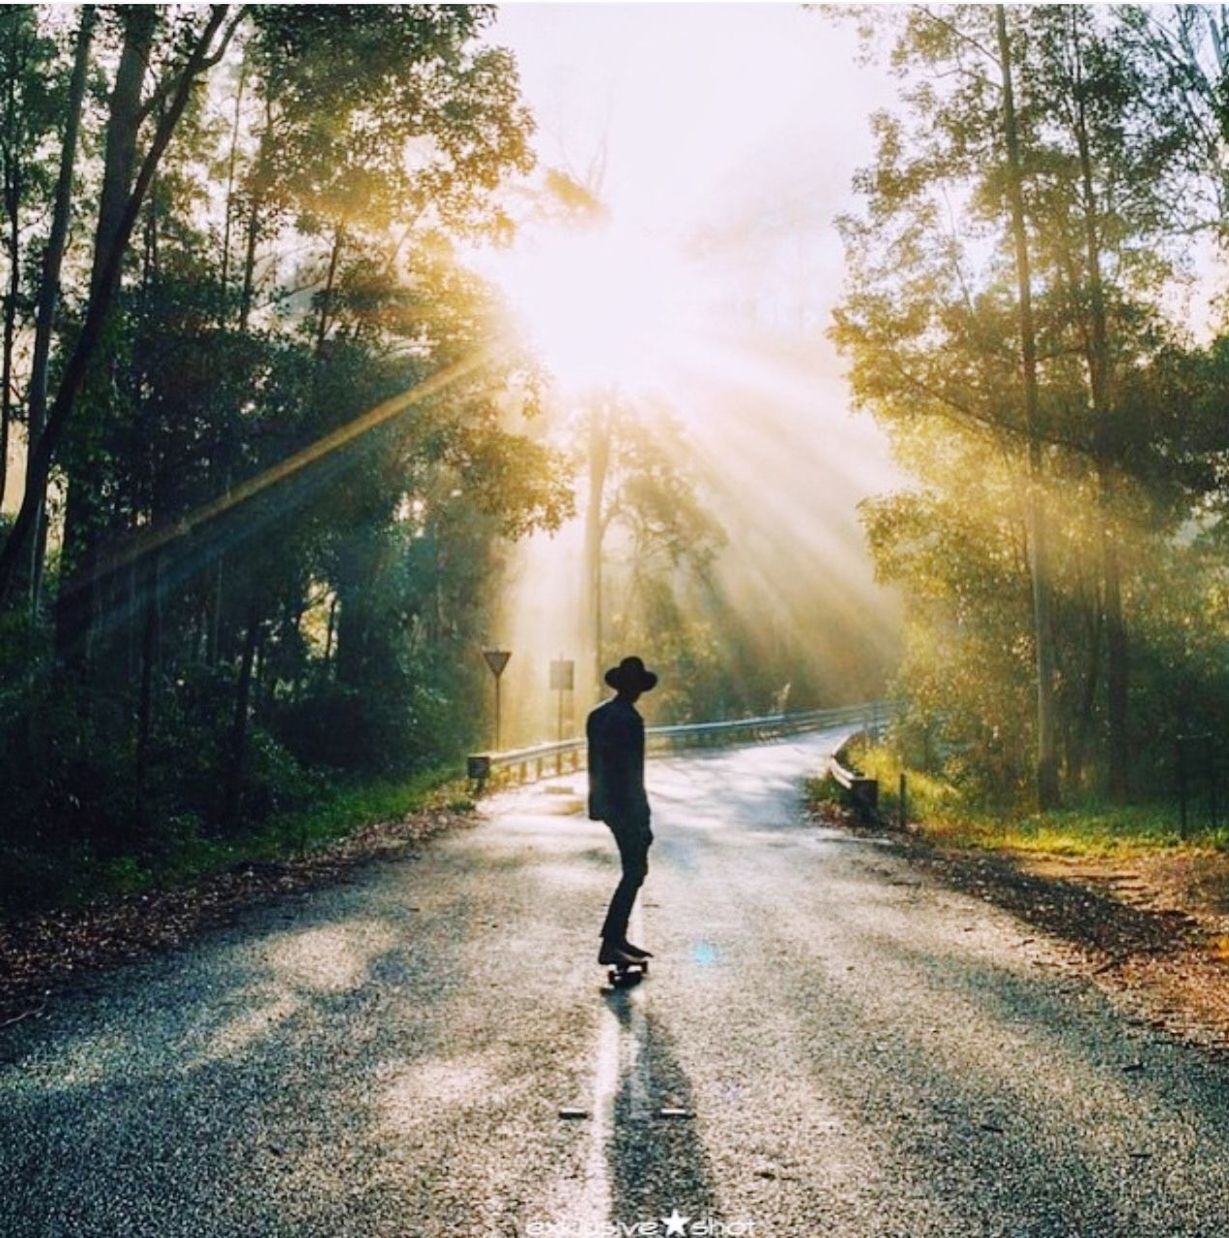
{"x":677,"y":1224}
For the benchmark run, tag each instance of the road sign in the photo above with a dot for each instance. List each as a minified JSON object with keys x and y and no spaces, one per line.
{"x":562,"y":677}
{"x":496,"y":659}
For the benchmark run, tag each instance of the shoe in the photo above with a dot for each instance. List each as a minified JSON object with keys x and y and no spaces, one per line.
{"x":635,"y":951}
{"x":610,"y":953}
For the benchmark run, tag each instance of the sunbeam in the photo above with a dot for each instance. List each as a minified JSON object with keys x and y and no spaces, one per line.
{"x":146,"y":543}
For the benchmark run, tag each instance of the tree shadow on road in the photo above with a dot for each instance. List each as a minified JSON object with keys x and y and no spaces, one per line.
{"x":357,"y":1065}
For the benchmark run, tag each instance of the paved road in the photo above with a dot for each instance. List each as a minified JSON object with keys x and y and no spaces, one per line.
{"x":863,"y":1052}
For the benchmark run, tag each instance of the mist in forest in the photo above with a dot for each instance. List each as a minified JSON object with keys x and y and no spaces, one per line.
{"x":677,"y":287}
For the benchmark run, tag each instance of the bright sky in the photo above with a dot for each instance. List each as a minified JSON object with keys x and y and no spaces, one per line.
{"x":723,"y":140}
{"x":740,"y":124}
{"x":702,"y":108}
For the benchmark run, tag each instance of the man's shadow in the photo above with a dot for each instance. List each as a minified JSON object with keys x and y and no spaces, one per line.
{"x":657,"y":1164}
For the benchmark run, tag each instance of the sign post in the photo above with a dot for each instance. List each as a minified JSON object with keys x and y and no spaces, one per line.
{"x":497,"y":659}
{"x":562,"y":679}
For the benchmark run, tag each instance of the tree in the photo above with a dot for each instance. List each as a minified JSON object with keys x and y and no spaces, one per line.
{"x":27,"y":113}
{"x":329,"y":427}
{"x":49,"y":288}
{"x":1047,"y":738}
{"x":913,"y":304}
{"x":117,"y":217}
{"x":1046,"y":155}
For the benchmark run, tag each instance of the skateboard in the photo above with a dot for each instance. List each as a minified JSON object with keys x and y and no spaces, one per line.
{"x":626,"y":975}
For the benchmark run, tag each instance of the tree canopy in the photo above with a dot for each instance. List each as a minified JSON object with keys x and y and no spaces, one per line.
{"x":1011,"y":317}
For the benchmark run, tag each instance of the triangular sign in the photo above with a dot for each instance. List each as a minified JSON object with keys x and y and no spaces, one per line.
{"x":496,"y":659}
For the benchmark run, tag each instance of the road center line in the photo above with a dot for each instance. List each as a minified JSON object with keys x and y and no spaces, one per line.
{"x":596,"y":1200}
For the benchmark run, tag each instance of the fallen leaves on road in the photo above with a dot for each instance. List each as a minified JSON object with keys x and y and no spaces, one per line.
{"x":1152,"y":928}
{"x":42,"y":954}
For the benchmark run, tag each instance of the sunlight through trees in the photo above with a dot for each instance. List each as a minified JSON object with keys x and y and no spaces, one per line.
{"x":318,"y":376}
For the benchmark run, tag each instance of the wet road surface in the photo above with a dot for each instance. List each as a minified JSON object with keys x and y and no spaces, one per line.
{"x":854,"y":1049}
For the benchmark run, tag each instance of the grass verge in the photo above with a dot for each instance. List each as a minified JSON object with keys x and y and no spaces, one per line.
{"x":39,"y":881}
{"x":1090,"y":829}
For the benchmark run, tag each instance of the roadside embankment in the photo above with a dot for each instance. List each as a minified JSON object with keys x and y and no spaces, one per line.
{"x":1144,"y":909}
{"x":42,"y":952}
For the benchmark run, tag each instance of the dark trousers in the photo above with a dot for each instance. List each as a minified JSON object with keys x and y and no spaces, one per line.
{"x":633,"y":840}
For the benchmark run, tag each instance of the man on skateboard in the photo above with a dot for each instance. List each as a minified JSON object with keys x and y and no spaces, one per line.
{"x":615,"y":732}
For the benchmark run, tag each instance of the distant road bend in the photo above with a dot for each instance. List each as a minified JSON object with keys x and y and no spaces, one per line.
{"x":830,"y":1044}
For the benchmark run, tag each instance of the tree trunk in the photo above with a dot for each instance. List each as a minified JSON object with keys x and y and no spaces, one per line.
{"x":13,"y":208}
{"x":249,"y":266}
{"x":326,"y":298}
{"x":230,"y":180}
{"x":1100,"y":385}
{"x":328,"y":638}
{"x":220,"y":455}
{"x":248,"y":293}
{"x":352,"y":639}
{"x":1047,"y":734}
{"x":599,"y":464}
{"x":145,"y":702}
{"x":239,"y":725}
{"x":49,"y":293}
{"x":11,"y":150}
{"x":213,"y":639}
{"x":1117,"y":670}
{"x":1082,"y":732}
{"x":78,"y":597}
{"x":123,"y":123}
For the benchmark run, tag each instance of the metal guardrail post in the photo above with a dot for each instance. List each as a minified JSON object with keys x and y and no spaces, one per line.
{"x":1213,"y":779}
{"x":478,"y":770}
{"x":865,"y":793}
{"x":1189,"y":778}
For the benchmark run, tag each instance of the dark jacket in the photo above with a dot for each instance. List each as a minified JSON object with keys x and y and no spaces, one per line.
{"x":615,"y":732}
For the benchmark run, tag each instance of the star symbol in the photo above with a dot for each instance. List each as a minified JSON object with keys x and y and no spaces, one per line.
{"x":676,"y":1224}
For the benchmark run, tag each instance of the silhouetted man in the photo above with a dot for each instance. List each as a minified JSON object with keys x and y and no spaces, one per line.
{"x":615,"y":732}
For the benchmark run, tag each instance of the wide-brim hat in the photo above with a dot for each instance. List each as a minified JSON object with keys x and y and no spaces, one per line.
{"x":630,"y":675}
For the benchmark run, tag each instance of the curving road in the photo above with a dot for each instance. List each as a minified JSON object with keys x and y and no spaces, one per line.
{"x":855,"y":1050}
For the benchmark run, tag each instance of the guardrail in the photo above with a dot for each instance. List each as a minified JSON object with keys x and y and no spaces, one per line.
{"x":545,"y":760}
{"x":863,"y":792}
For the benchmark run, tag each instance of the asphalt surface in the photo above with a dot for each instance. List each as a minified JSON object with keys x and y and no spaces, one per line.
{"x":856,"y":1050}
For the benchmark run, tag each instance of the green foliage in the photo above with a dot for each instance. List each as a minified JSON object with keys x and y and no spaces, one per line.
{"x":659,"y":540}
{"x":1130,"y":416}
{"x":348,"y":808}
{"x":239,"y":616}
{"x":944,"y":811}
{"x":934,"y":801}
{"x":36,"y":876}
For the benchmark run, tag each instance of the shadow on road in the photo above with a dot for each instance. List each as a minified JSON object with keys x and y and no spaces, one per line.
{"x":656,"y":1163}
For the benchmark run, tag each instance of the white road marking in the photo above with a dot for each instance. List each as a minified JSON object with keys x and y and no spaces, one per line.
{"x":596,"y":1199}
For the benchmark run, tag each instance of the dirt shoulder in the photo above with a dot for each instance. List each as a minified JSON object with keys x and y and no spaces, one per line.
{"x":1152,"y":927}
{"x":43,"y":955}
